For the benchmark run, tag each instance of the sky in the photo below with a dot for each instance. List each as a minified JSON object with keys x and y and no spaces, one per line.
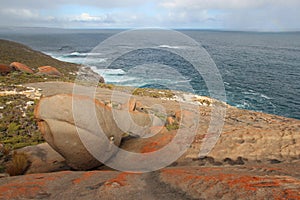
{"x":257,"y":15}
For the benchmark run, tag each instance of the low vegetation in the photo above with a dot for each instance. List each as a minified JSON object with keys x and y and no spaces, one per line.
{"x":15,"y":52}
{"x":155,"y":93}
{"x":16,"y":78}
{"x":4,"y":157}
{"x":171,"y":127}
{"x":18,"y":127}
{"x":18,"y":164}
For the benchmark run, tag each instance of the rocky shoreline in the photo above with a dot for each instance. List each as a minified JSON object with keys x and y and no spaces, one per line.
{"x":257,"y":155}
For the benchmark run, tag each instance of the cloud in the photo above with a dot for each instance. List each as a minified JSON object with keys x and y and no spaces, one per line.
{"x":18,"y":16}
{"x":91,"y":20}
{"x":19,"y":13}
{"x":214,"y":14}
{"x":86,"y":17}
{"x":224,"y":4}
{"x":38,"y":4}
{"x":267,"y":15}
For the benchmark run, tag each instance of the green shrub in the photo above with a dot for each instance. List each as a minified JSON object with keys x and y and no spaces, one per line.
{"x":13,"y":128}
{"x":171,"y":127}
{"x":17,"y":131}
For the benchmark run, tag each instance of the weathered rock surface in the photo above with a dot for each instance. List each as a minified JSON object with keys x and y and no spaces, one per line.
{"x":57,"y":123}
{"x":88,"y":75}
{"x":72,"y":127}
{"x":256,"y":157}
{"x":254,"y":136}
{"x":43,"y":159}
{"x":251,"y":182}
{"x":49,"y":71}
{"x":5,"y":69}
{"x":247,"y":134}
{"x":21,"y":67}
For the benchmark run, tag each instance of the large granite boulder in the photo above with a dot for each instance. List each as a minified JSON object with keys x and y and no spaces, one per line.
{"x":21,"y":67}
{"x":48,"y":70}
{"x":80,"y":127}
{"x":70,"y":136}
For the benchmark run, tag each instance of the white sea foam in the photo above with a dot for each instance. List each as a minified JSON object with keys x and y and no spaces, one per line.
{"x":109,"y":71}
{"x":169,"y":47}
{"x":265,"y":96}
{"x":84,"y":54}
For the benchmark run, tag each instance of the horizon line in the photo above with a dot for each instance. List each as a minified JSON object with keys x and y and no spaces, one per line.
{"x":168,"y":28}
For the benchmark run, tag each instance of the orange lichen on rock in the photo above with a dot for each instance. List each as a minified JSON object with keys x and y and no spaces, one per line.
{"x":5,"y":69}
{"x":158,"y":143}
{"x":11,"y":191}
{"x":28,"y":186}
{"x":246,"y":182}
{"x":193,"y":179}
{"x":85,"y":176}
{"x":121,"y":179}
{"x":288,"y":194}
{"x":184,"y":176}
{"x":21,"y":67}
{"x":48,"y":70}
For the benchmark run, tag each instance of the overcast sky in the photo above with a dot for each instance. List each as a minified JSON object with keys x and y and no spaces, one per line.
{"x":261,"y":15}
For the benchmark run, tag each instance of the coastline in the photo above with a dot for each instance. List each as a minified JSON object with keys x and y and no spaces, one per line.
{"x":254,"y":151}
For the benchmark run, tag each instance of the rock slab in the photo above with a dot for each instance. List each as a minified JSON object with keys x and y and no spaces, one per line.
{"x":252,"y":182}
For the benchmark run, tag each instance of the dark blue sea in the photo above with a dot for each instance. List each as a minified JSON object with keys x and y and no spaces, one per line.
{"x":260,"y":71}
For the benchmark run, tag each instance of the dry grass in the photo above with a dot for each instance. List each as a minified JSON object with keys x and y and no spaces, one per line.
{"x":5,"y":151}
{"x":18,"y":164}
{"x":155,"y":93}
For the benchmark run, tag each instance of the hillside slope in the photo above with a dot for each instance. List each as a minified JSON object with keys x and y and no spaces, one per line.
{"x":15,"y":52}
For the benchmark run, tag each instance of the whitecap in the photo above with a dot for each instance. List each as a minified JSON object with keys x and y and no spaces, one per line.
{"x":169,"y":47}
{"x":265,"y":96}
{"x":109,"y":71}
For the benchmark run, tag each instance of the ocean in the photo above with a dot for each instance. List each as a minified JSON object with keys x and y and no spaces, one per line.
{"x":260,"y":71}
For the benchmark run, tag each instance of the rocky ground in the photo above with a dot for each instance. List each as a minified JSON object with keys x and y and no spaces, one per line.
{"x":239,"y":182}
{"x":256,"y":157}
